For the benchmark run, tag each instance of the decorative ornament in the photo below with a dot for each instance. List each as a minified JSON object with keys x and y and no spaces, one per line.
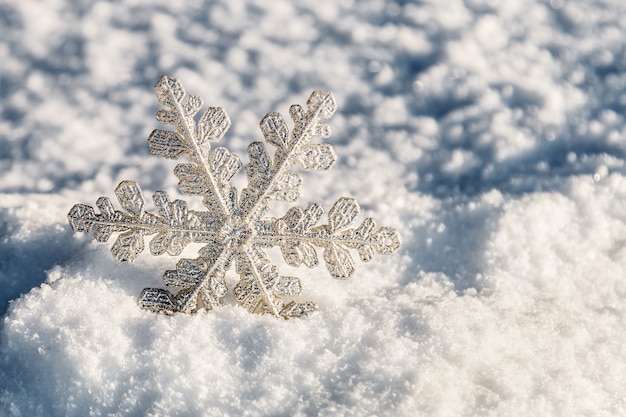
{"x":234,"y":228}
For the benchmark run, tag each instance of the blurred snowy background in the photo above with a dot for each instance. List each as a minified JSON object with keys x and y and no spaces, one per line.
{"x":490,"y":132}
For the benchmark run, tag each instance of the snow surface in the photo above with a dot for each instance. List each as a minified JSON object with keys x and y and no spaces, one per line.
{"x":491,"y":133}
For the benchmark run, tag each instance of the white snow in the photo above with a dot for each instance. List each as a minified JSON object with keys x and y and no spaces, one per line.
{"x":491,"y":133}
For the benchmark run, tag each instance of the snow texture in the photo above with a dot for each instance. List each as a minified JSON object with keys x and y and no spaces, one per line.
{"x":490,"y":133}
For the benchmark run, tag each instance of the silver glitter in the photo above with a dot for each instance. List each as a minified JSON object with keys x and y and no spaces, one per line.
{"x":235,"y":229}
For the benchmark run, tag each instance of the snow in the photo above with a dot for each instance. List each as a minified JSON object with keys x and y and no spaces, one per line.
{"x":490,"y":133}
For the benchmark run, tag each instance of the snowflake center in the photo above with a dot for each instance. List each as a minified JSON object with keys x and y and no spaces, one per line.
{"x":235,"y":234}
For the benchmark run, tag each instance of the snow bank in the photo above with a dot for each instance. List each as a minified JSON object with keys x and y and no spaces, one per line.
{"x":535,"y":331}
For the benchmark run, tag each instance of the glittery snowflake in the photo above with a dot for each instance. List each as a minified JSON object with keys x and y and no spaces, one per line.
{"x":235,"y":228}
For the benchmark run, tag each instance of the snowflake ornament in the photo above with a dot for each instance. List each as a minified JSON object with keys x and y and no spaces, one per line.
{"x":234,"y":228}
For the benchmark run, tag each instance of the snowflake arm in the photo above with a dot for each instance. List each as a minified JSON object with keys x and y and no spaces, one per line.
{"x":269,"y":179}
{"x":297,"y":236}
{"x":208,"y":174}
{"x":175,"y":226}
{"x":261,"y":289}
{"x":195,"y":283}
